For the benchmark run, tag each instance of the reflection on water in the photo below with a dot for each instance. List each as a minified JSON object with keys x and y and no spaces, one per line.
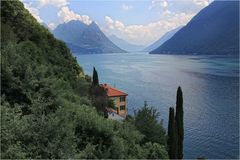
{"x":210,"y":87}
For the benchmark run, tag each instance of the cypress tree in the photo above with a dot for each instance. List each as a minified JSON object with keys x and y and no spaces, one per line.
{"x":171,"y":142}
{"x":179,"y":123}
{"x":95,"y":77}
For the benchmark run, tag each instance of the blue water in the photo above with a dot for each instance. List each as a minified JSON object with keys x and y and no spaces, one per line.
{"x":210,"y":86}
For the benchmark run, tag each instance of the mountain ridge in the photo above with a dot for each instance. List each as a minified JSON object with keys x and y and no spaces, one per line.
{"x":162,"y":39}
{"x":87,"y":39}
{"x":214,"y":30}
{"x":124,"y":44}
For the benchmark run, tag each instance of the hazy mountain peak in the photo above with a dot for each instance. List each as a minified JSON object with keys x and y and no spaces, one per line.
{"x":124,"y":44}
{"x":93,"y":24}
{"x":82,"y":38}
{"x":163,"y":39}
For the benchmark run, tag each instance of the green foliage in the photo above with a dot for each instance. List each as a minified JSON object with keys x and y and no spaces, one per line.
{"x":88,"y":78}
{"x":10,"y":128}
{"x":71,"y":132}
{"x":179,"y":123}
{"x":99,"y":95}
{"x":99,"y":98}
{"x":154,"y":150}
{"x":46,"y":111}
{"x":146,"y":121}
{"x":171,"y":142}
{"x":95,"y":77}
{"x":111,"y":104}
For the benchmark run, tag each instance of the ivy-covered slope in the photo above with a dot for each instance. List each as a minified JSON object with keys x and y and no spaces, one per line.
{"x":45,"y":109}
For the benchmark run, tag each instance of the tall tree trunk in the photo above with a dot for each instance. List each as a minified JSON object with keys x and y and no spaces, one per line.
{"x":172,"y":144}
{"x":179,"y":123}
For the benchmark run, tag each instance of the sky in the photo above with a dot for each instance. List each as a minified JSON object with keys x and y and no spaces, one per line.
{"x":139,"y":22}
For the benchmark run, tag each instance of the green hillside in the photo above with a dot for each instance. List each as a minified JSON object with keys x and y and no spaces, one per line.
{"x":46,"y":107}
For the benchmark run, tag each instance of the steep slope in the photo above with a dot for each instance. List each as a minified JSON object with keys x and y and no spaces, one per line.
{"x":45,"y":109}
{"x":125,"y":45}
{"x":82,"y":38}
{"x":163,"y":39}
{"x":70,"y":32}
{"x":214,"y":30}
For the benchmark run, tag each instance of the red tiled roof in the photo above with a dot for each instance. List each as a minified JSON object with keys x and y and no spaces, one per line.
{"x":113,"y":92}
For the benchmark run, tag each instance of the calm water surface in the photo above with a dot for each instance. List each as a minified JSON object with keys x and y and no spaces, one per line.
{"x":210,"y":86}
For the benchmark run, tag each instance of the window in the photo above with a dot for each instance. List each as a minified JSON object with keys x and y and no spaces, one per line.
{"x":122,"y":99}
{"x":122,"y":108}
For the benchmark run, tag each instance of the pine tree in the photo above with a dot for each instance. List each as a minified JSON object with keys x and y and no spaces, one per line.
{"x":179,"y":123}
{"x":171,"y":135}
{"x":95,"y":77}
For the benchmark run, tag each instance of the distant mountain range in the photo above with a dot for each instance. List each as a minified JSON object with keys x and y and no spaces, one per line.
{"x":125,"y":45}
{"x":85,"y":39}
{"x":163,"y":39}
{"x":214,"y":30}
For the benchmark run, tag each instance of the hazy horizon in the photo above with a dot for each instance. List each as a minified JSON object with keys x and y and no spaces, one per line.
{"x":137,"y":22}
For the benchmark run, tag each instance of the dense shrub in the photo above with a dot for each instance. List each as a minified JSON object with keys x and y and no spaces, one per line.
{"x":46,"y":112}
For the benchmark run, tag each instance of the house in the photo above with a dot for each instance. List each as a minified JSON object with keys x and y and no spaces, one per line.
{"x":112,"y":114}
{"x":119,"y":98}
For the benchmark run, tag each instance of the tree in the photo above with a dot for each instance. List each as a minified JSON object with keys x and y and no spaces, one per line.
{"x":45,"y":113}
{"x":95,"y":77}
{"x":171,"y":142}
{"x":179,"y":123}
{"x":146,"y":121}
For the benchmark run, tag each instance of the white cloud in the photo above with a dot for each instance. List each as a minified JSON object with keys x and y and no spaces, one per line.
{"x":145,"y":34}
{"x":164,"y":4}
{"x":192,"y":6}
{"x":119,"y":25}
{"x":166,"y":12}
{"x":126,"y":7}
{"x":33,"y":11}
{"x":158,"y":4}
{"x":66,"y":15}
{"x":56,"y":3}
{"x":202,"y":3}
{"x":52,"y":25}
{"x":110,"y":22}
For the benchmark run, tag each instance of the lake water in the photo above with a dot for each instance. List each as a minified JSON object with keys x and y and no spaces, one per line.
{"x":210,"y":86}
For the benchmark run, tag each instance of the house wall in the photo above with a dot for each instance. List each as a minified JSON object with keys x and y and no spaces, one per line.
{"x":118,"y":103}
{"x":115,"y":116}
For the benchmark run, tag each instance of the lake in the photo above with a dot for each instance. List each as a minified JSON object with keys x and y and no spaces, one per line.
{"x":210,"y":86}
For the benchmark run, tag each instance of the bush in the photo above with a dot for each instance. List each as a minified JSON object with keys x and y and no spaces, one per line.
{"x":146,"y":121}
{"x":45,"y":109}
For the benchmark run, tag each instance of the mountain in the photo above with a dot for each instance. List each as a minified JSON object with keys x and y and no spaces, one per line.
{"x":125,"y":45}
{"x":82,"y":38}
{"x":214,"y":30}
{"x":163,"y":39}
{"x":48,"y":110}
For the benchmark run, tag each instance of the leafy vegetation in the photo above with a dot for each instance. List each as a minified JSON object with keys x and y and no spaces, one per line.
{"x":47,"y":111}
{"x":146,"y":121}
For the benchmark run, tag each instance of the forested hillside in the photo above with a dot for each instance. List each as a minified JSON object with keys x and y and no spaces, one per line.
{"x":46,"y":108}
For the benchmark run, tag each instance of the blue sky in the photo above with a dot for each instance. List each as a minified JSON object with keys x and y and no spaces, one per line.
{"x":139,"y":22}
